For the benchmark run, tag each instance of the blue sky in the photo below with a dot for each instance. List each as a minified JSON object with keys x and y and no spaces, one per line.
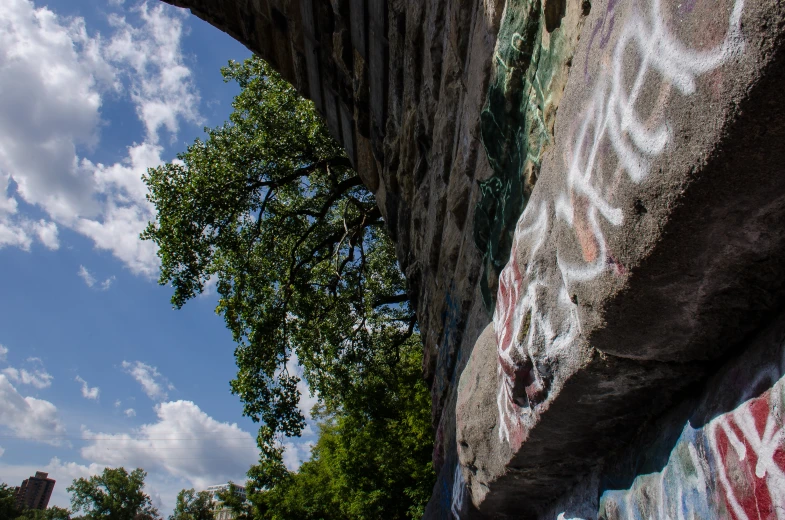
{"x":96,"y":369}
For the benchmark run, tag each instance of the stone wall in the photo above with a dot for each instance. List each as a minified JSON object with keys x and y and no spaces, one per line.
{"x":587,"y":199}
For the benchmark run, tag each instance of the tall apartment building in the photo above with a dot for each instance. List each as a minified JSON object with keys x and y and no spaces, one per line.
{"x":35,"y":492}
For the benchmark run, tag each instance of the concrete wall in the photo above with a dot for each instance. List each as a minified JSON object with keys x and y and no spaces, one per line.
{"x":641,"y":258}
{"x":587,"y":199}
{"x":719,"y":453}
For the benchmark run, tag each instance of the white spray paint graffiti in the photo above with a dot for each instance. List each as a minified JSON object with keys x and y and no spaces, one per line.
{"x":523,"y":327}
{"x":458,"y":491}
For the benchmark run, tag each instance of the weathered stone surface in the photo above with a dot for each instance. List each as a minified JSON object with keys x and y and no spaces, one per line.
{"x":719,"y":454}
{"x":635,"y":262}
{"x":587,"y":200}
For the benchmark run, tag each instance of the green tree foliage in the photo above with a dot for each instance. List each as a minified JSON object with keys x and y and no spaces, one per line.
{"x":113,"y":495}
{"x":364,"y":467}
{"x":232,"y":500}
{"x":269,"y":206}
{"x":8,"y":510}
{"x":52,"y":513}
{"x":193,"y":506}
{"x":7,"y":502}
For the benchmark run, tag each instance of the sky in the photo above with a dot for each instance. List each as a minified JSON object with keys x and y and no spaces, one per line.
{"x":96,"y":368}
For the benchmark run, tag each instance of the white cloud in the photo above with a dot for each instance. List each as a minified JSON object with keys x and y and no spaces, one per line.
{"x":160,"y":84}
{"x":28,"y":417}
{"x":37,"y":378}
{"x":3,"y":353}
{"x":87,"y":392}
{"x":130,"y":412}
{"x":90,"y":280}
{"x":63,"y":472}
{"x":118,"y":403}
{"x":85,"y":275}
{"x":185,"y":442}
{"x":150,"y":378}
{"x":47,"y":234}
{"x":54,"y":76}
{"x":295,"y":453}
{"x":307,"y":399}
{"x":106,"y":284}
{"x":51,"y":74}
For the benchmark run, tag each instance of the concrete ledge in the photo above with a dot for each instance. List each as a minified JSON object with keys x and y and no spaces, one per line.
{"x":652,"y":246}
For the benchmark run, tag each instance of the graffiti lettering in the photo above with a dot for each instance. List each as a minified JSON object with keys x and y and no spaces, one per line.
{"x":529,"y":324}
{"x":733,"y":467}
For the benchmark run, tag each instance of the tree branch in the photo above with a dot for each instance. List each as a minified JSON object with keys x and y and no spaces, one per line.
{"x":302,"y":172}
{"x":390,"y":299}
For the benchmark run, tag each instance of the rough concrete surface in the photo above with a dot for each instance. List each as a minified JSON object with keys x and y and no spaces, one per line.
{"x":635,"y":263}
{"x":587,"y":200}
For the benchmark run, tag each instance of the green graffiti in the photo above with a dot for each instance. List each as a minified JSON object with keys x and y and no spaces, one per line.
{"x":516,"y":126}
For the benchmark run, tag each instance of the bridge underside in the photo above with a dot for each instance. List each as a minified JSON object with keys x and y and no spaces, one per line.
{"x":587,"y":200}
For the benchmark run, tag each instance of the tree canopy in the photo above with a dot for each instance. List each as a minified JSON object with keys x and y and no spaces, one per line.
{"x":50,"y":513}
{"x":9,"y":511}
{"x":192,"y":505}
{"x":113,"y":495}
{"x":268,"y":206}
{"x":7,"y":502}
{"x":364,"y":467}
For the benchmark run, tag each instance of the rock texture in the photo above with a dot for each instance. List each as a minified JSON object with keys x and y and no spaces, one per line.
{"x":587,"y":199}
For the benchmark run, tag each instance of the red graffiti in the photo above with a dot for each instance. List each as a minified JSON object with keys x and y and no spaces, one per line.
{"x":749,"y":447}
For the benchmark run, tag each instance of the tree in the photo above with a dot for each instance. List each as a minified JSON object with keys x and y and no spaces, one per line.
{"x":52,"y":513}
{"x":193,"y":506}
{"x":364,"y":467}
{"x":7,"y":502}
{"x":115,"y":495}
{"x":232,"y":500}
{"x":269,"y":206}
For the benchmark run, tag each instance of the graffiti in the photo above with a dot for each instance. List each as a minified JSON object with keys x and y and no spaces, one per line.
{"x":532,"y":327}
{"x":733,"y":467}
{"x":610,"y":116}
{"x":451,"y":494}
{"x":449,"y":353}
{"x":609,"y":18}
{"x":458,"y":492}
{"x":517,"y":126}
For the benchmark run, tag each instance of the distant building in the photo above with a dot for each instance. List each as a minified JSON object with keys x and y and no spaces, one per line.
{"x":35,"y":492}
{"x":220,"y":512}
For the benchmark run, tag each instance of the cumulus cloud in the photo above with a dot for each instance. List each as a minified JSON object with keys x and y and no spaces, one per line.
{"x":118,"y":403}
{"x":28,"y":417}
{"x":38,"y":378}
{"x":54,"y":75}
{"x":3,"y":353}
{"x":153,"y":383}
{"x":63,"y":472}
{"x":130,"y":412}
{"x":295,"y":453}
{"x":87,"y":392}
{"x":184,"y":442}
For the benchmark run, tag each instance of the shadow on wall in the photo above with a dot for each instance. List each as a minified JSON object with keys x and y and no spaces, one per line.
{"x":729,"y":460}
